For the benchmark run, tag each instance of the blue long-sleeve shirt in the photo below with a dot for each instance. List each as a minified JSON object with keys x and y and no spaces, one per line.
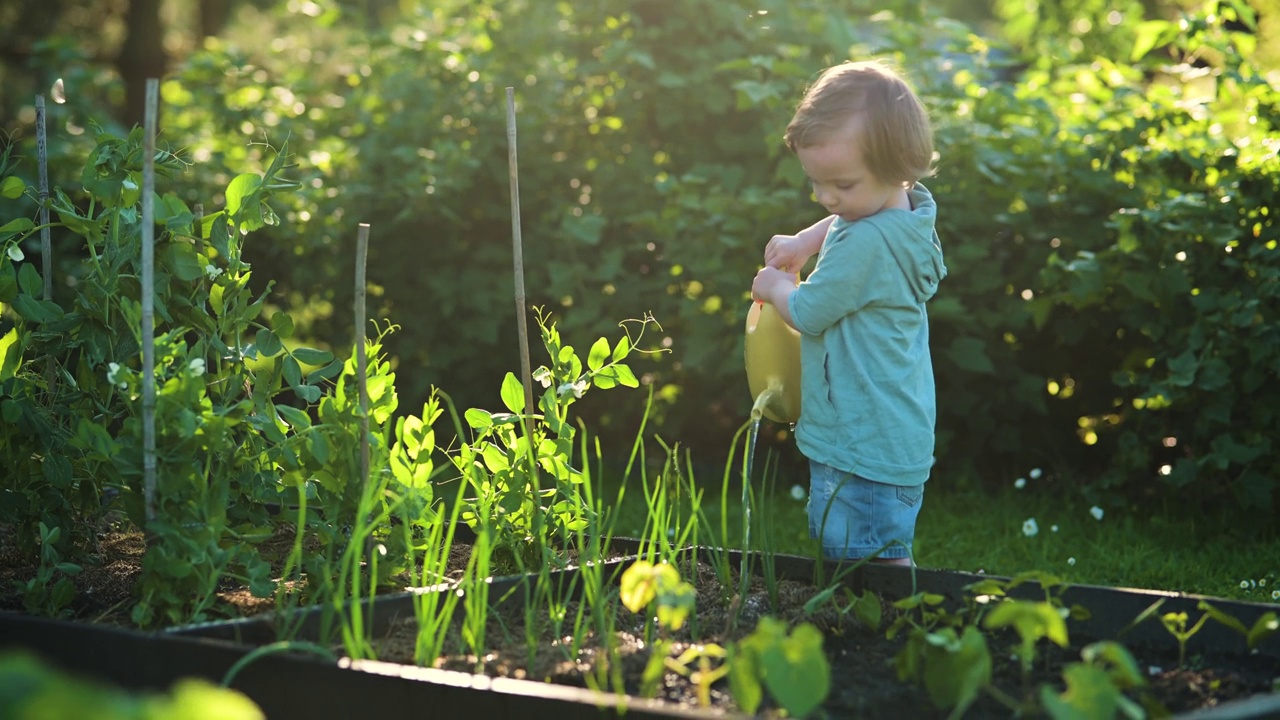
{"x":867,"y":394}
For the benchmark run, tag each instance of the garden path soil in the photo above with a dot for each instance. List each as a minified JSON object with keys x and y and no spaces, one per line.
{"x":864,"y":683}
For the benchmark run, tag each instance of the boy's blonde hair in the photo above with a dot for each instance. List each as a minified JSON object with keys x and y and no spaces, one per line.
{"x":896,"y":138}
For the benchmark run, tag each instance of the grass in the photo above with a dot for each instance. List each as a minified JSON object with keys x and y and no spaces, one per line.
{"x":1157,"y":546}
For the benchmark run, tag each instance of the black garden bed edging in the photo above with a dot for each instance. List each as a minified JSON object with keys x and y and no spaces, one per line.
{"x":291,"y":687}
{"x":288,"y":686}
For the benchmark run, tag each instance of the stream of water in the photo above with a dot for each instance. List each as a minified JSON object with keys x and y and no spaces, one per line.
{"x":752,"y":433}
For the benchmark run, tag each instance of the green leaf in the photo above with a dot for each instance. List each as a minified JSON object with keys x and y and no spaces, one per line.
{"x":37,"y":311}
{"x":292,"y":371}
{"x":1089,"y":694}
{"x":312,"y":356}
{"x":181,"y":259}
{"x":15,"y":226}
{"x":282,"y":326}
{"x":796,"y":671}
{"x":318,"y":446}
{"x":29,"y":280}
{"x":622,"y":349}
{"x":268,"y":344}
{"x":956,"y":668}
{"x":215,"y":228}
{"x":478,"y":419}
{"x":57,"y":470}
{"x":639,"y":584}
{"x":1032,"y":620}
{"x":10,"y":359}
{"x":309,"y":393}
{"x":599,"y":353}
{"x":512,"y":393}
{"x":11,"y":188}
{"x":1147,"y":36}
{"x":1266,"y":626}
{"x":1117,"y":661}
{"x":325,"y":373}
{"x":1223,"y":618}
{"x":744,"y":678}
{"x":298,"y":419}
{"x":239,"y":190}
{"x":1182,"y":369}
{"x":625,"y":377}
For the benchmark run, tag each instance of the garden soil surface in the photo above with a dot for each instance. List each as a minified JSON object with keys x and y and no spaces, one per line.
{"x":864,"y":682}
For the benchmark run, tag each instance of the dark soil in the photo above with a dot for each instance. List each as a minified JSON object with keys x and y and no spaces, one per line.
{"x":111,"y":568}
{"x":864,"y":683}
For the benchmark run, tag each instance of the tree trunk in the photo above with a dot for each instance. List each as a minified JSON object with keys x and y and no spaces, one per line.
{"x":213,"y":16}
{"x":141,"y":57}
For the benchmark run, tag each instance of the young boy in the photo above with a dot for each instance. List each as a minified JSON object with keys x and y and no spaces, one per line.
{"x":867,"y":395}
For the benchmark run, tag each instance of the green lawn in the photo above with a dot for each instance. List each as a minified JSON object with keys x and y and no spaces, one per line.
{"x":1149,"y":547}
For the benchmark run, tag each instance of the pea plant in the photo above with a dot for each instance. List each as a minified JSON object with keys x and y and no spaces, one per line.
{"x":246,"y":416}
{"x":520,"y":464}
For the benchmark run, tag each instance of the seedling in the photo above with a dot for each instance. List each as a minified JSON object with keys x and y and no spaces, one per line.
{"x":792,"y":667}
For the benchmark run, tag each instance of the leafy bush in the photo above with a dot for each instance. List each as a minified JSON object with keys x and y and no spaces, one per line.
{"x":1071,"y":175}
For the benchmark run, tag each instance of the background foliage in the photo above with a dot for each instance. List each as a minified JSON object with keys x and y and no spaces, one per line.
{"x":1105,"y":176}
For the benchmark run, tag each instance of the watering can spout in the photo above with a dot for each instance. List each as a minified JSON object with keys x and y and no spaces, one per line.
{"x":770,"y":396}
{"x":772,"y":350}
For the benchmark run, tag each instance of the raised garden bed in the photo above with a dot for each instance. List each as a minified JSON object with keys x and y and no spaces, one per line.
{"x":1218,"y":678}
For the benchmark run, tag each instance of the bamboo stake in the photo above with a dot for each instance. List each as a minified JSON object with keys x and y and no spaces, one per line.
{"x":517,"y":249}
{"x":46,"y":242}
{"x":148,"y":303}
{"x":362,"y":251}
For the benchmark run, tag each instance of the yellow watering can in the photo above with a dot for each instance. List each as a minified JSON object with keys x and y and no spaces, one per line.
{"x":773,"y":365}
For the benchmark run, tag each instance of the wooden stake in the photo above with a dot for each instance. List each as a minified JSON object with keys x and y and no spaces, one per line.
{"x":517,"y":251}
{"x":362,"y":362}
{"x":148,"y":302}
{"x":46,"y":243}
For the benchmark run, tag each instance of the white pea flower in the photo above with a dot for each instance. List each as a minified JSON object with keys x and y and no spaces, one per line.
{"x":577,"y":387}
{"x":1034,"y":474}
{"x":1071,"y":561}
{"x":1020,"y":483}
{"x":1029,"y":528}
{"x":1053,"y":528}
{"x":113,"y":375}
{"x":15,"y":253}
{"x":1244,"y":584}
{"x":1262,"y":582}
{"x":543,"y":376}
{"x":1096,"y":512}
{"x":797,"y":492}
{"x":213,"y":271}
{"x":196,"y":367}
{"x":1275,"y":594}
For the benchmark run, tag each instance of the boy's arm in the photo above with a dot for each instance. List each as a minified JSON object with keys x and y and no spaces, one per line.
{"x":791,"y":252}
{"x":775,"y":286}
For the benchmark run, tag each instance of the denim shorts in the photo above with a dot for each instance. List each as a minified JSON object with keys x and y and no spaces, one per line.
{"x":854,"y":517}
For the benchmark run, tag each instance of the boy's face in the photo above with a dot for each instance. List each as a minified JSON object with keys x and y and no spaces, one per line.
{"x":841,"y":181}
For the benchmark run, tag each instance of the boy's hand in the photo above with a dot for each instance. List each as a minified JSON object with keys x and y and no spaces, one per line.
{"x":786,"y":252}
{"x":791,"y":252}
{"x":773,"y":286}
